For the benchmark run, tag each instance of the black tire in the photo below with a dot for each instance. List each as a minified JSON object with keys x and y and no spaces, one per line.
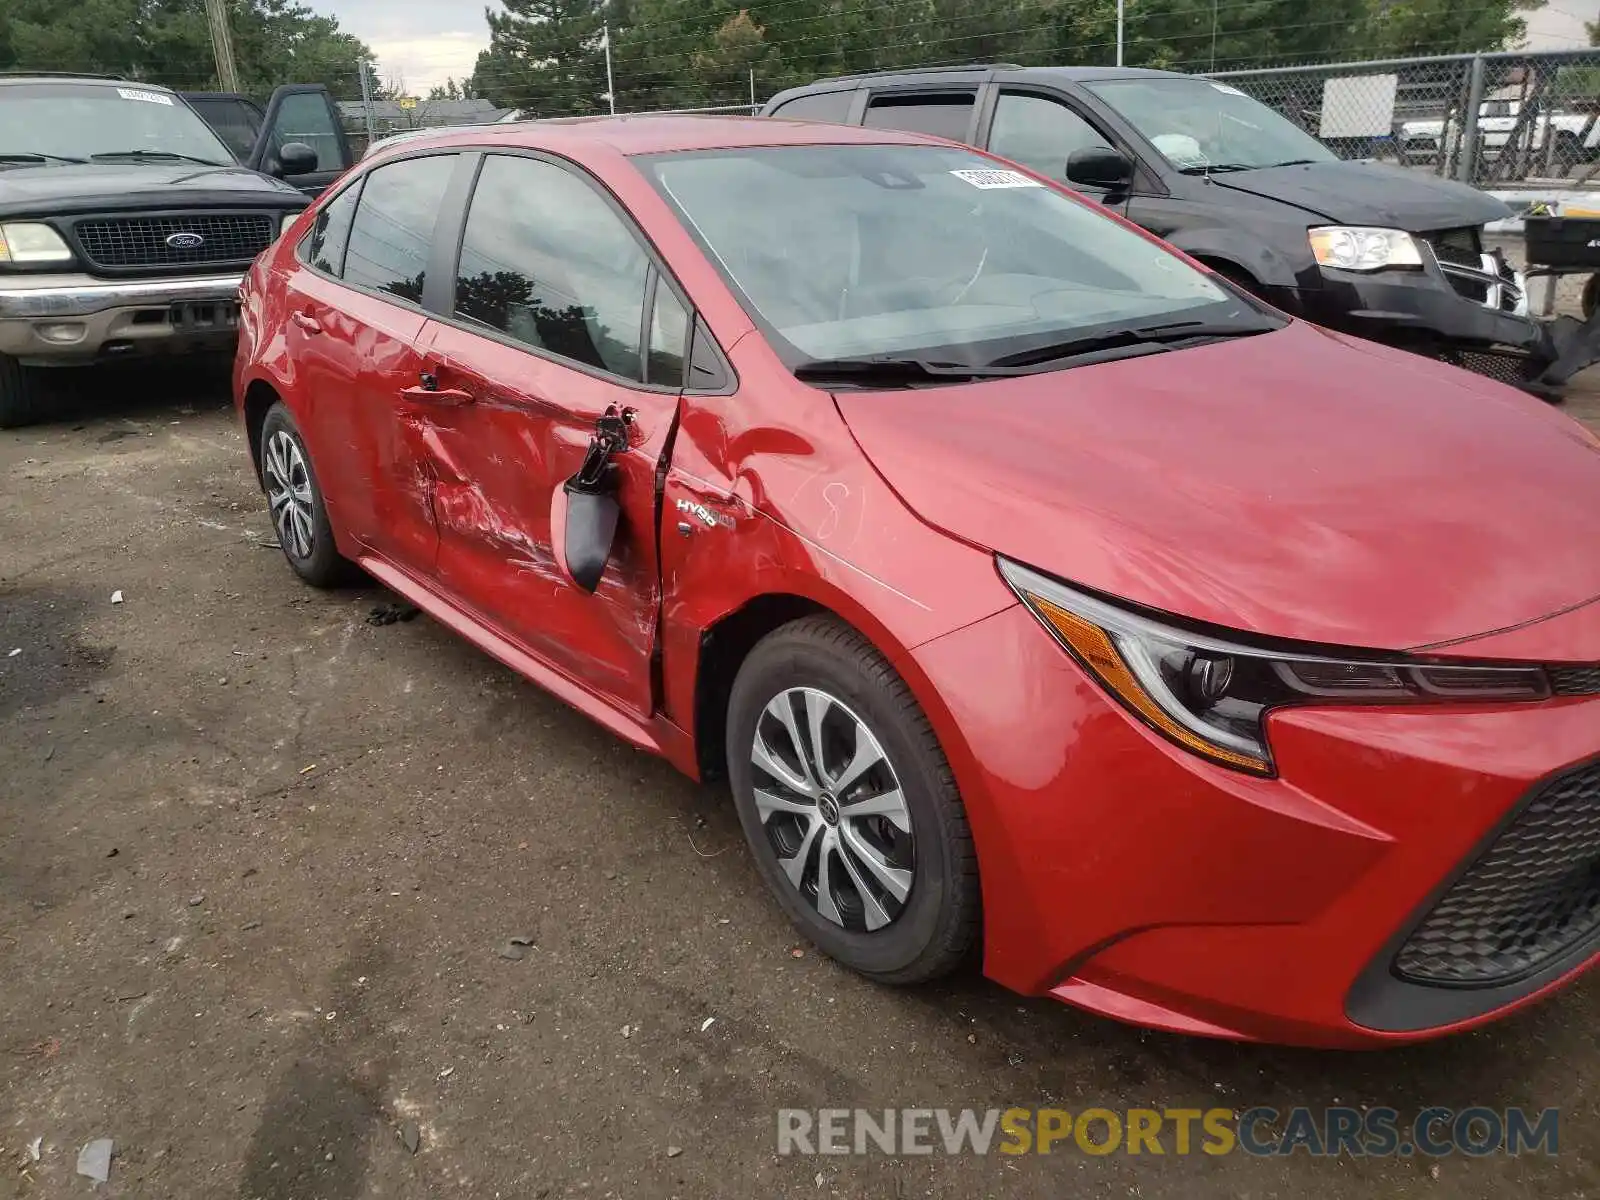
{"x":321,"y":565}
{"x":937,"y":927}
{"x":20,"y":400}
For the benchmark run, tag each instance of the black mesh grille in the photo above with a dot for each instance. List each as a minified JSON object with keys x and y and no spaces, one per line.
{"x":143,"y":241}
{"x":1532,"y":895}
{"x":1575,"y":681}
{"x":1460,"y":247}
{"x":1509,"y":368}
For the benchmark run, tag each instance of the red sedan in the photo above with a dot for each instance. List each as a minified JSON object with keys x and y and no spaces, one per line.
{"x":1035,"y":590}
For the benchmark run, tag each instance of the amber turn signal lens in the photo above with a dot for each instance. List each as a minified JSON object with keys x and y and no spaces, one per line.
{"x":1095,"y":649}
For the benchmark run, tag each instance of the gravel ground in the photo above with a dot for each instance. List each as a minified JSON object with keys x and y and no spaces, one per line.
{"x":259,"y":860}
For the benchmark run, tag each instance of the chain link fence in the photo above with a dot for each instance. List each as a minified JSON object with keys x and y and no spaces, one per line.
{"x":1523,"y":126}
{"x":1494,"y":120}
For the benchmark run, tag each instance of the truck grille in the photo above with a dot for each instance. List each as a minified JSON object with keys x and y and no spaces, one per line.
{"x":116,"y":242}
{"x":1458,"y":247}
{"x":1531,"y":896}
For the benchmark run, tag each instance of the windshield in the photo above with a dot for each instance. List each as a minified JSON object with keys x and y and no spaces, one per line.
{"x":853,"y":251}
{"x":81,"y":120}
{"x":1198,"y":124}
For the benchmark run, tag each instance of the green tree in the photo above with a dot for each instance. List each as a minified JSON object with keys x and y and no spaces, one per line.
{"x":168,"y":41}
{"x":544,"y":56}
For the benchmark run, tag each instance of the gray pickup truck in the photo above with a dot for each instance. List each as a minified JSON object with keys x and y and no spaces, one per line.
{"x":127,"y":222}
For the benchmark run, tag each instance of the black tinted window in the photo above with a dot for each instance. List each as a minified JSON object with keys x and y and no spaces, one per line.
{"x":942,"y":116}
{"x":669,"y":339}
{"x":393,"y":229}
{"x":822,"y":106}
{"x":323,"y":248}
{"x":1039,"y":133}
{"x":548,"y":262}
{"x":233,"y":120}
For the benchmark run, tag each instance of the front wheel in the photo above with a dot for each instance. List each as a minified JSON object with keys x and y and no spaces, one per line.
{"x":849,"y":805}
{"x":295,"y":501}
{"x":20,"y":402}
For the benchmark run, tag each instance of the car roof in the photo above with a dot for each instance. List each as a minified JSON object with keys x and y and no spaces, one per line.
{"x":653,"y":133}
{"x":69,"y":77}
{"x":1006,"y":71}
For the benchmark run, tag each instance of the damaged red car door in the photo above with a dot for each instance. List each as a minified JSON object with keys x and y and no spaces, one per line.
{"x":560,"y":316}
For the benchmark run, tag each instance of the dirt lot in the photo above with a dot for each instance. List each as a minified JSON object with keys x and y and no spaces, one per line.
{"x":259,"y":857}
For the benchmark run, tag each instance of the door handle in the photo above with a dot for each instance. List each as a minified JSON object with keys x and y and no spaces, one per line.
{"x":445,"y":397}
{"x":307,"y":322}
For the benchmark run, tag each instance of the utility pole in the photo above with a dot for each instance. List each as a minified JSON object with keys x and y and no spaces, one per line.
{"x":1120,"y":4}
{"x":222,"y":44}
{"x":365,"y":68}
{"x":611,"y":87}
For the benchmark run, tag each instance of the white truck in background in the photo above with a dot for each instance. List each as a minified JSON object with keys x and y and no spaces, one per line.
{"x":1559,"y":141}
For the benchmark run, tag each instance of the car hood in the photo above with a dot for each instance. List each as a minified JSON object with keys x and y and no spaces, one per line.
{"x":1298,"y":484}
{"x":1365,"y":193}
{"x":117,"y":185}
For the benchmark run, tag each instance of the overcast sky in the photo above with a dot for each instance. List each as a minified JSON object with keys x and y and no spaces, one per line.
{"x":427,"y":40}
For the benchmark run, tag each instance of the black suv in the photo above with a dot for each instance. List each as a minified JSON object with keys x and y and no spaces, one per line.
{"x":126,"y":223}
{"x":1370,"y":249}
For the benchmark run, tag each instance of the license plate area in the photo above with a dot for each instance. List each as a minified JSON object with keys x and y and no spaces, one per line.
{"x":204,"y":316}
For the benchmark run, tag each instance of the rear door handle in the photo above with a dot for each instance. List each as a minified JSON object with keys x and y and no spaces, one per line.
{"x":307,"y":322}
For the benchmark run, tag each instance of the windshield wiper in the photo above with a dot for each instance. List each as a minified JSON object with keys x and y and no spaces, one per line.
{"x":158,"y":154}
{"x":1125,"y":343}
{"x":1293,"y":162}
{"x":1217,"y":168}
{"x":891,"y":371}
{"x":28,"y":156}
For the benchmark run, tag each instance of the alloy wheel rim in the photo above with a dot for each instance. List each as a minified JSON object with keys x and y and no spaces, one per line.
{"x":289,"y":494}
{"x":832,"y":808}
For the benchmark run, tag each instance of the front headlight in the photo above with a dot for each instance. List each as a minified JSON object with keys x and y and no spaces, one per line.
{"x":1357,"y":248}
{"x":1211,"y":695}
{"x":24,"y":242}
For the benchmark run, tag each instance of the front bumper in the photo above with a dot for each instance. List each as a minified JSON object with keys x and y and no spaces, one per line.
{"x":50,"y":319}
{"x":1475,"y":318}
{"x":1127,"y":876}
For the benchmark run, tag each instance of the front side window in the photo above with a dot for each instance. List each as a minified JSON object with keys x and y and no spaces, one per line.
{"x":306,"y":118}
{"x":393,"y":229}
{"x":1040,"y":133}
{"x":100,"y":122}
{"x":546,"y":261}
{"x":324,"y":247}
{"x":1200,"y":126}
{"x":924,"y":252}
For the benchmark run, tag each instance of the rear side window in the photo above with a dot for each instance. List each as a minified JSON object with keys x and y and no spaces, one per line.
{"x":546,"y":261}
{"x":945,"y":115}
{"x":820,"y":106}
{"x":324,"y":247}
{"x":393,"y":229}
{"x":669,"y":339}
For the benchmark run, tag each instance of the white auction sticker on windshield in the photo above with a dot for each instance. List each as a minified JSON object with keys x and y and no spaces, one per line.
{"x":996,"y":179}
{"x":147,"y":97}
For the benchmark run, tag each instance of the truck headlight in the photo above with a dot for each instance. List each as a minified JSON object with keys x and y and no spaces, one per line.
{"x":30,"y":242}
{"x":1211,"y":694}
{"x":1358,"y":248}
